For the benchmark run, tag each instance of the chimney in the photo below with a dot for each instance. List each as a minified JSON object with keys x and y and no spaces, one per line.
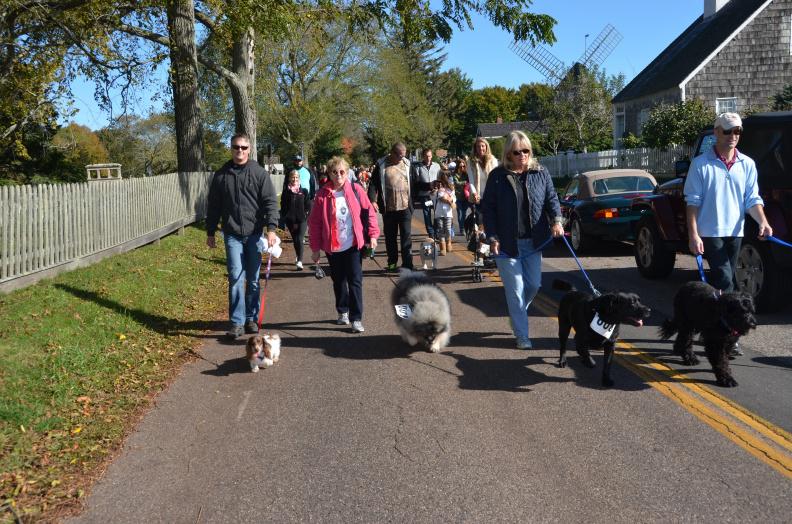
{"x":499,"y":120}
{"x":711,"y":7}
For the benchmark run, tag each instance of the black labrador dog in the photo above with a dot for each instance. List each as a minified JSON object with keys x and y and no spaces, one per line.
{"x":596,"y":321}
{"x":721,"y":318}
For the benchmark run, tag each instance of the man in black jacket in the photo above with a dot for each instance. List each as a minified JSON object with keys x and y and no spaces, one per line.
{"x":243,"y":198}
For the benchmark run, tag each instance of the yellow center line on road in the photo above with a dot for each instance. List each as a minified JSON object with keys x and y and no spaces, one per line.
{"x":759,"y":437}
{"x":767,"y":442}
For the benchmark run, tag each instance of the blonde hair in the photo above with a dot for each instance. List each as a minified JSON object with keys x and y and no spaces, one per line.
{"x":487,"y":152}
{"x":516,"y":140}
{"x":292,"y":172}
{"x":336,"y":161}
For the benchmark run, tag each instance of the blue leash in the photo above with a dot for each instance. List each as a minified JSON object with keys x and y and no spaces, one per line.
{"x":588,"y":280}
{"x":503,"y":254}
{"x":700,"y":263}
{"x":779,"y":241}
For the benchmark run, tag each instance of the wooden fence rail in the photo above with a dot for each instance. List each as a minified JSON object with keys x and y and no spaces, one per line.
{"x":655,"y":161}
{"x":48,"y":229}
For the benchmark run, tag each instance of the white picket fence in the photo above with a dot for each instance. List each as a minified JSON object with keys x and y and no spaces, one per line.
{"x":48,"y":229}
{"x":655,"y":161}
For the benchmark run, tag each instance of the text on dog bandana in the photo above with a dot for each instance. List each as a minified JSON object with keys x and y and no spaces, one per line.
{"x":603,"y":328}
{"x":403,"y":311}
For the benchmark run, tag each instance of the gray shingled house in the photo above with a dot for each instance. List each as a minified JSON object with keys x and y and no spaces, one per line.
{"x":735,"y":56}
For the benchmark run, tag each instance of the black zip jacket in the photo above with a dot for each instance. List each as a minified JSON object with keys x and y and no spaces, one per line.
{"x":243,"y":198}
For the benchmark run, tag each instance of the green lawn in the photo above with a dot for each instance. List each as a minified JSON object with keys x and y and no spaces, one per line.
{"x":82,"y":356}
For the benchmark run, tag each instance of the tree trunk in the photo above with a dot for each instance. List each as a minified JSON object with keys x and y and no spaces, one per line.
{"x":184,"y":81}
{"x":243,"y":88}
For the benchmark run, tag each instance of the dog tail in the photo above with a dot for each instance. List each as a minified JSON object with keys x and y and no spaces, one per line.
{"x":668,"y":329}
{"x":562,"y":285}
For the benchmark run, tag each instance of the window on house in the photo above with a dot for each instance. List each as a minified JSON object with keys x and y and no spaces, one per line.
{"x":618,"y":125}
{"x":643,"y":116}
{"x":725,"y":105}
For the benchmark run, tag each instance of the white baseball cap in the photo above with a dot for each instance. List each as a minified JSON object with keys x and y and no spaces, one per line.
{"x":727,"y":121}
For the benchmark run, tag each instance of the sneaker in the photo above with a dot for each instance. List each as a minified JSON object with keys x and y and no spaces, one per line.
{"x":524,"y":343}
{"x":251,"y":328}
{"x":357,"y":326}
{"x":735,"y":351}
{"x":235,"y":331}
{"x":392,"y":268}
{"x":299,"y":266}
{"x":343,"y":319}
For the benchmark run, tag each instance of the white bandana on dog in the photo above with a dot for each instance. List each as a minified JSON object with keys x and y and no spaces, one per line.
{"x":403,"y":311}
{"x":604,"y":329}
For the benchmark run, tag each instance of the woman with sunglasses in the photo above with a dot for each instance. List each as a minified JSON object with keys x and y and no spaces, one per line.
{"x":336,"y":226}
{"x":521,"y":214}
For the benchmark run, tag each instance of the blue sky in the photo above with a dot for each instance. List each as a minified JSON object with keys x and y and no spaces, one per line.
{"x":647,"y":28}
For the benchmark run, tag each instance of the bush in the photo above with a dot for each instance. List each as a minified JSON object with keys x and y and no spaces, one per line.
{"x":680,"y":123}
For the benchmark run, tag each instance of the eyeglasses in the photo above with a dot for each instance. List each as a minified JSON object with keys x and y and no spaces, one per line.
{"x":736,"y":130}
{"x":339,"y":172}
{"x":519,"y":152}
{"x":239,"y":147}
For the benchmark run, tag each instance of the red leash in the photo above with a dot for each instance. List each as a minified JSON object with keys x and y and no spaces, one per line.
{"x":264,"y":292}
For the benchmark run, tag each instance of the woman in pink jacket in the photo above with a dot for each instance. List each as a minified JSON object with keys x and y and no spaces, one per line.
{"x":336,"y":226}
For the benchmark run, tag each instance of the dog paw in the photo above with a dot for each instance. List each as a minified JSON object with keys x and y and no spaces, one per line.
{"x":588,"y":362}
{"x":691,"y":360}
{"x":727,"y":382}
{"x":562,"y":363}
{"x":607,"y":382}
{"x":254,"y":369}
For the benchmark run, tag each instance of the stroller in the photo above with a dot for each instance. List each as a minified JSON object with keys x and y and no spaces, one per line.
{"x":475,"y":243}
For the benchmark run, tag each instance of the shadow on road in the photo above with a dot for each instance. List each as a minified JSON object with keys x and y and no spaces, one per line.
{"x":501,"y":374}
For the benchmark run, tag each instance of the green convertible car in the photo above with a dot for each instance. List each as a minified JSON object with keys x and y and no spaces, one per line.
{"x":596,"y":205}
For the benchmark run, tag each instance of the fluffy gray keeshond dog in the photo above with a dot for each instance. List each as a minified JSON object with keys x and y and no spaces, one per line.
{"x":429,"y":323}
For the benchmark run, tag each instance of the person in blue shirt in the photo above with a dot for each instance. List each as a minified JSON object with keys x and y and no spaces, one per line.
{"x":720,"y":187}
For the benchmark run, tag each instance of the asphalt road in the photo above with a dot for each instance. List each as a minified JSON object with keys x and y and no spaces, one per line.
{"x":360,"y":428}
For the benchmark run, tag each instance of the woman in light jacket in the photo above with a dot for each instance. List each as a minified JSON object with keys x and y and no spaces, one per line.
{"x":481,"y":163}
{"x":521,"y":213}
{"x":335,"y":227}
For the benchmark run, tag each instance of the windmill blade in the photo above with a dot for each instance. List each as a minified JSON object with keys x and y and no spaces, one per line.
{"x":601,"y":47}
{"x":541,"y":59}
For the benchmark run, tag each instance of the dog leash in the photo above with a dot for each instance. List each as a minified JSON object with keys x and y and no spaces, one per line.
{"x":779,"y":241}
{"x":264,"y":291}
{"x":700,"y":263}
{"x":588,"y":280}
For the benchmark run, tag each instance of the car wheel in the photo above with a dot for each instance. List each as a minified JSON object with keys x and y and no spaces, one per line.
{"x":652,"y":257}
{"x":757,"y":275}
{"x":578,"y":241}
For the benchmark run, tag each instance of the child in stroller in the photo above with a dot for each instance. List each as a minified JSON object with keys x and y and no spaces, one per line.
{"x":474,"y":235}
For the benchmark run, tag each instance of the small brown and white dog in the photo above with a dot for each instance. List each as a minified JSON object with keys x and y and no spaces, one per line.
{"x":263,"y":350}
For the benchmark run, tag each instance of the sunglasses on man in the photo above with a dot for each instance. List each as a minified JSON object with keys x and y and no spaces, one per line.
{"x":239,"y":147}
{"x":736,"y":130}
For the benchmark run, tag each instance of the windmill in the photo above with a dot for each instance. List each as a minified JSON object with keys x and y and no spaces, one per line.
{"x":553,"y":69}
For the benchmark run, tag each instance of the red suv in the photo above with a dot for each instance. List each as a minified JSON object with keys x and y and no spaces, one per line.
{"x":764,"y":269}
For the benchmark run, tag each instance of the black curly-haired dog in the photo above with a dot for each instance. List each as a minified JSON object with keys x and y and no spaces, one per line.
{"x":605,"y":313}
{"x":720,"y":318}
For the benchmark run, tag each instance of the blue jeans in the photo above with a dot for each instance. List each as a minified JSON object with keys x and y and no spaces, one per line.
{"x":427,"y":216}
{"x":243,"y":261}
{"x":462,"y":207}
{"x":521,"y":278}
{"x":721,"y":254}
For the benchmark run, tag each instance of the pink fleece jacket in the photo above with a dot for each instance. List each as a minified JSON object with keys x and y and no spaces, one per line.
{"x":322,"y":232}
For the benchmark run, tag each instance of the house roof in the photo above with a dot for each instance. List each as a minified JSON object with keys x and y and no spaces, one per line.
{"x":495,"y":130}
{"x":690,"y":49}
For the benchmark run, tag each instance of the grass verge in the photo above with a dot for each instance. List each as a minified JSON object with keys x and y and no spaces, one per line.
{"x":82,"y":357}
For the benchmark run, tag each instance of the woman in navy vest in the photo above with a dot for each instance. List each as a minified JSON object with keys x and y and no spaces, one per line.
{"x":521,"y":213}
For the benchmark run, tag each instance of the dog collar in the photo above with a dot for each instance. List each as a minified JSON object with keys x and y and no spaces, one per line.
{"x":733,"y":332}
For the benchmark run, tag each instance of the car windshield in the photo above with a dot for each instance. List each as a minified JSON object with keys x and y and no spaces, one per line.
{"x":622,"y":184}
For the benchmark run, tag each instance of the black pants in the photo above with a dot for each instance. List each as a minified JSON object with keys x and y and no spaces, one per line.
{"x":346,"y":270}
{"x":297,"y":231}
{"x":721,"y":254}
{"x":398,"y":222}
